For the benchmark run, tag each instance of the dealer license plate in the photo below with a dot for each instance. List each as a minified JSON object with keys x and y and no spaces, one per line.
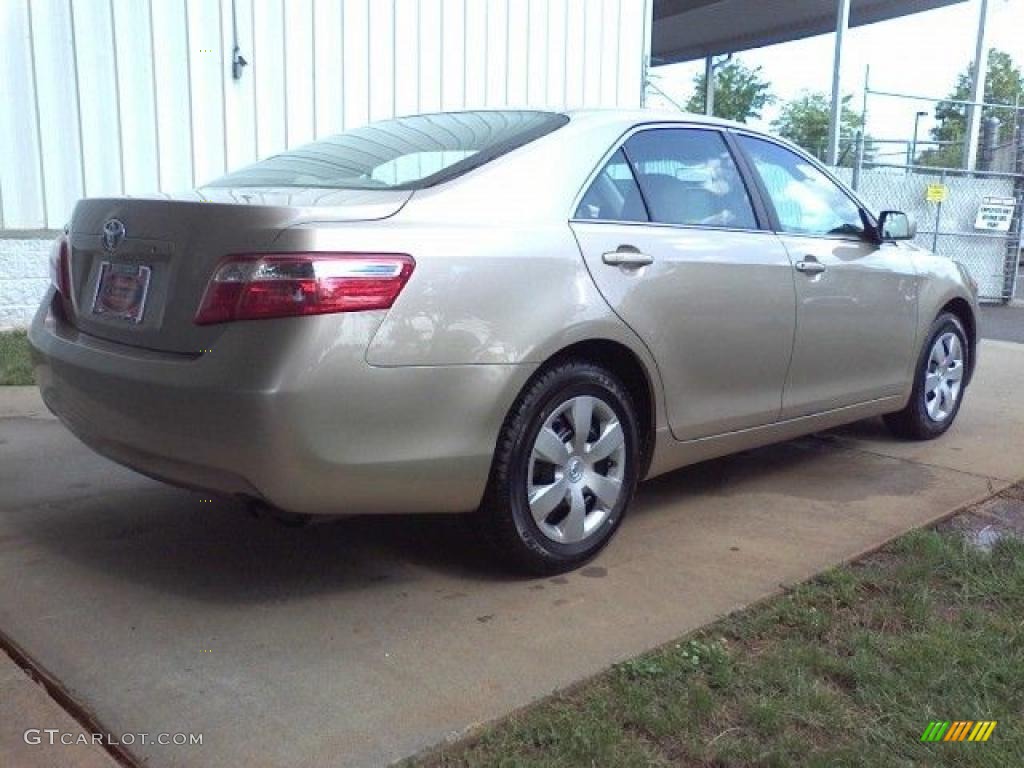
{"x":121,"y":291}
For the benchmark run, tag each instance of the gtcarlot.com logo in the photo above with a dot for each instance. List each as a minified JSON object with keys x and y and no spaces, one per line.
{"x":55,"y":736}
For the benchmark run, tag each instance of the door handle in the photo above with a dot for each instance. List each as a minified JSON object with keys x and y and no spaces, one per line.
{"x":810,"y":267}
{"x":627,"y":256}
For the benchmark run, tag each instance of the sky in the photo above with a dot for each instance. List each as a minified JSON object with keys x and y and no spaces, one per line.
{"x":920,"y":54}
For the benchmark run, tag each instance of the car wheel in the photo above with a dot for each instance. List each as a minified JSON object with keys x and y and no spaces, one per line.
{"x":564,"y":470}
{"x":939,"y":383}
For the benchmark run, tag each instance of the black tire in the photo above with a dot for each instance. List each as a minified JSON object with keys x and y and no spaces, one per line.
{"x":504,"y":516}
{"x":913,"y":422}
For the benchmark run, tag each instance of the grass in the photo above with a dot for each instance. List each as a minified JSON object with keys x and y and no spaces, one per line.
{"x":846,"y":670}
{"x":15,"y":364}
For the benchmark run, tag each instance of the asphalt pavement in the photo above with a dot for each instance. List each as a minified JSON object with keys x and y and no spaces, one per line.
{"x":1004,"y":322}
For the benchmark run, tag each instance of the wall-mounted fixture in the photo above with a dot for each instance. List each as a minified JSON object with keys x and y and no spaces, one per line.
{"x":237,"y":60}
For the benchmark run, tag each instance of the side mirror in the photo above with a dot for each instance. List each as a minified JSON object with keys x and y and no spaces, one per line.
{"x":895,"y":225}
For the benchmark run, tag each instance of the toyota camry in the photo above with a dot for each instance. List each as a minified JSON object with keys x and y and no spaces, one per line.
{"x":515,"y":314}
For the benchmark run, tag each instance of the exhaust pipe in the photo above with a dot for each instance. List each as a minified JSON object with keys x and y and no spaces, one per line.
{"x":261,"y":510}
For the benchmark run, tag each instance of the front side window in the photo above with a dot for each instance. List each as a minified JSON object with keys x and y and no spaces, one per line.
{"x":689,"y":177}
{"x":405,"y":153}
{"x":806,"y":201}
{"x":613,"y":195}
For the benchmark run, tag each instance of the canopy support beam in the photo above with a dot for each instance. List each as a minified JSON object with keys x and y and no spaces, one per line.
{"x":709,"y":85}
{"x":977,"y":91}
{"x":835,"y":119}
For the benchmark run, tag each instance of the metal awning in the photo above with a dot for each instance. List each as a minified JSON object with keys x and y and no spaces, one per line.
{"x":693,"y":29}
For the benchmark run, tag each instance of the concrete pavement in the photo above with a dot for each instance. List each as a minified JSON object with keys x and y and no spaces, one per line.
{"x":361,"y":641}
{"x":24,"y":704}
{"x":22,"y":402}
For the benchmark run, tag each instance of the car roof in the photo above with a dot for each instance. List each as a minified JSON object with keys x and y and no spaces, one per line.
{"x":606,"y":116}
{"x":627,"y":117}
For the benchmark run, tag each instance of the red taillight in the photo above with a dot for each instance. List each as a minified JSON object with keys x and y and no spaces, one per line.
{"x":60,"y":266}
{"x":288,"y":285}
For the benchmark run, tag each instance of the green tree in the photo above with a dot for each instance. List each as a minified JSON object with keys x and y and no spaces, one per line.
{"x":740,"y":92}
{"x":1004,"y":84}
{"x":805,"y":119}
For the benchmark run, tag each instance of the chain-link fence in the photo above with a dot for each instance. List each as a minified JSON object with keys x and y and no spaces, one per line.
{"x":973,"y":216}
{"x":946,"y":205}
{"x":1003,"y":157}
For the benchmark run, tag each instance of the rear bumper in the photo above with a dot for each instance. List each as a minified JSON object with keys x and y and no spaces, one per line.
{"x":287,"y":411}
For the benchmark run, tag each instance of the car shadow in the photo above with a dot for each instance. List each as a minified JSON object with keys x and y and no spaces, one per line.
{"x":213,"y":549}
{"x":869,"y":429}
{"x":177,"y":541}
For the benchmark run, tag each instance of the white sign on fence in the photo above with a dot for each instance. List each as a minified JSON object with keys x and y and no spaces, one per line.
{"x":995,"y":214}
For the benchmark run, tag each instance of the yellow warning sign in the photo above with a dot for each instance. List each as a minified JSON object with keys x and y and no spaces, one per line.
{"x":937,"y":193}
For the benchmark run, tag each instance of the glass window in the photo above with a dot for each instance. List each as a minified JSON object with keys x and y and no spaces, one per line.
{"x":688,"y":176}
{"x":614,"y":195}
{"x":406,"y":153}
{"x":805,"y":199}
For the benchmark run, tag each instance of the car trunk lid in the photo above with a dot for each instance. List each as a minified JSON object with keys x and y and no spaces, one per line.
{"x":139,"y":266}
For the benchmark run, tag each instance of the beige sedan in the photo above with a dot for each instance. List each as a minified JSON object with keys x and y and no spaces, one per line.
{"x":511,"y":313}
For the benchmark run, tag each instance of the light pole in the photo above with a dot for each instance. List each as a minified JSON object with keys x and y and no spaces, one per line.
{"x":913,"y":142}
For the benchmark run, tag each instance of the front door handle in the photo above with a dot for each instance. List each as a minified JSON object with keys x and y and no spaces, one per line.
{"x":810,"y":267}
{"x":627,"y":256}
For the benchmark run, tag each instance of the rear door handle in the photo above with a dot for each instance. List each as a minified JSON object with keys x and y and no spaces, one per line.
{"x":810,"y":267}
{"x":627,"y":256}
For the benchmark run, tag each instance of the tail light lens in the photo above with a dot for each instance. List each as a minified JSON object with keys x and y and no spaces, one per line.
{"x":60,"y":266}
{"x":290,"y":285}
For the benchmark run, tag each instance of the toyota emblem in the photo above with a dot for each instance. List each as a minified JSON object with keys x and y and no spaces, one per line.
{"x":113,"y":234}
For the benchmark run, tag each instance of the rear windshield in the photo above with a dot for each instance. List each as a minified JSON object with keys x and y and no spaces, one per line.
{"x":405,"y":153}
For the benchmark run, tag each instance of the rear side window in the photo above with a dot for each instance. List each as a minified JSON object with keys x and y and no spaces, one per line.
{"x":614,"y":194}
{"x":405,"y":153}
{"x":688,"y":176}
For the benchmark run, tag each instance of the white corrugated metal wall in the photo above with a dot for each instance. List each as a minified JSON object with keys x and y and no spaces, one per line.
{"x":127,"y":96}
